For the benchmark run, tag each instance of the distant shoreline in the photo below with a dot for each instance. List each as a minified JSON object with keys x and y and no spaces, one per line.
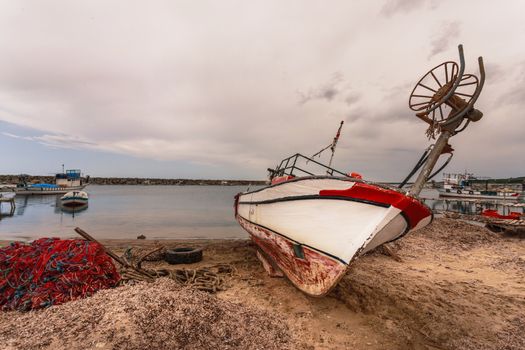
{"x":13,"y":179}
{"x":516,"y":182}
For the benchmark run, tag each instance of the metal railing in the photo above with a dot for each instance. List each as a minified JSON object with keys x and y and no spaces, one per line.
{"x":289,"y":166}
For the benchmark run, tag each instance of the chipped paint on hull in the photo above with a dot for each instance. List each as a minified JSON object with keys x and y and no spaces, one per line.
{"x":315,"y":274}
{"x":314,"y":228}
{"x":271,"y":268}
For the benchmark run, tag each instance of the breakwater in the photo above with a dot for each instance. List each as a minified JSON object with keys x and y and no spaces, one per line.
{"x":13,"y":179}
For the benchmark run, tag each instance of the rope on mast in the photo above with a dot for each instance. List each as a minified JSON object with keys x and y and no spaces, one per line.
{"x":334,"y":143}
{"x":332,"y":147}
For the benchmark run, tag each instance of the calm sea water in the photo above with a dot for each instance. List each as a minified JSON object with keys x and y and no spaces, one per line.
{"x":158,"y":212}
{"x":129,"y":211}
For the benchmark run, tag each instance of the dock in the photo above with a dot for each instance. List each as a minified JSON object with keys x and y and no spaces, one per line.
{"x":487,"y":204}
{"x":12,"y":205}
{"x":479,"y":204}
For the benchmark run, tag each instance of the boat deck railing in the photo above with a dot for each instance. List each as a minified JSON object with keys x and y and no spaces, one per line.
{"x":292,"y":166}
{"x":43,"y":189}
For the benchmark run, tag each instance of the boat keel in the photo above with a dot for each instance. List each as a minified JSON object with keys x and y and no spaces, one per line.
{"x":269,"y":266}
{"x":310,"y":271}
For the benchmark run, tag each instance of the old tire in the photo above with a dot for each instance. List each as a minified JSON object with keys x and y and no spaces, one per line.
{"x":183,"y":255}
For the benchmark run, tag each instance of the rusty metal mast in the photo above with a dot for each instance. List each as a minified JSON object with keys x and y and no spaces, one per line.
{"x":444,"y":98}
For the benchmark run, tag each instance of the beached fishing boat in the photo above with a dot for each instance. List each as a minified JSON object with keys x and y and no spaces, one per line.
{"x":70,"y":180}
{"x":312,"y":227}
{"x":311,"y":224}
{"x":459,"y":186}
{"x":74,"y":199}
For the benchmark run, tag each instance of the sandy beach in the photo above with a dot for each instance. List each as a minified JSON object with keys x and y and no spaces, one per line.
{"x":452,"y":285}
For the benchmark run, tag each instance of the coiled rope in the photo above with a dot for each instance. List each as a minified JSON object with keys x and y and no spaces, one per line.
{"x":209,"y":279}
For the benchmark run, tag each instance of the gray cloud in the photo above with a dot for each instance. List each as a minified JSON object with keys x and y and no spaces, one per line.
{"x":198,"y":83}
{"x":496,"y":72}
{"x":392,"y":7}
{"x":64,"y":141}
{"x":516,"y":96}
{"x":27,"y":138}
{"x":447,"y":34}
{"x":512,"y":92}
{"x":352,"y":98}
{"x":56,"y":141}
{"x":327,"y":91}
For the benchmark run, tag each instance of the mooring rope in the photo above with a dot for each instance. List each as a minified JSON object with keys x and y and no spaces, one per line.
{"x":210,"y":278}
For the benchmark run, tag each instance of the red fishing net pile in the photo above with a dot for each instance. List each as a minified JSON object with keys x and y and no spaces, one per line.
{"x":52,"y":271}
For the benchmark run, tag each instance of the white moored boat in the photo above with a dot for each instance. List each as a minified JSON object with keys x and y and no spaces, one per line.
{"x":74,"y":199}
{"x":459,"y":186}
{"x":310,"y":228}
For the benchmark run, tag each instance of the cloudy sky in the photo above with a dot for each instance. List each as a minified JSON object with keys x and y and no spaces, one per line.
{"x":225,"y":89}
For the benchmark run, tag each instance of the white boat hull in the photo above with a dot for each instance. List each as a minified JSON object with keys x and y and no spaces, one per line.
{"x":313,"y":228}
{"x":478,"y":195}
{"x":74,"y":199}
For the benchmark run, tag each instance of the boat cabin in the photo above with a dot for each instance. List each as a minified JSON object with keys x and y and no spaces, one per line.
{"x":456,"y":181}
{"x":71,"y":178}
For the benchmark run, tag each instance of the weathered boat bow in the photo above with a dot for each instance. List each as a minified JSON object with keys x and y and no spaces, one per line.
{"x":311,"y":225}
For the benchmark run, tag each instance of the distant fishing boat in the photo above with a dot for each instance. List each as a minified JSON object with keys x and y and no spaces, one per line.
{"x":459,"y":186}
{"x":312,"y":221}
{"x":64,"y":182}
{"x":74,"y":199}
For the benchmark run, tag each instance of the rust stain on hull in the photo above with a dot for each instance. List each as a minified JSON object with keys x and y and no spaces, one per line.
{"x":313,"y":273}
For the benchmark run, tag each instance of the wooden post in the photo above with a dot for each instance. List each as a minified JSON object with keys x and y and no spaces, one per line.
{"x":12,"y":205}
{"x":117,"y":258}
{"x":88,"y":237}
